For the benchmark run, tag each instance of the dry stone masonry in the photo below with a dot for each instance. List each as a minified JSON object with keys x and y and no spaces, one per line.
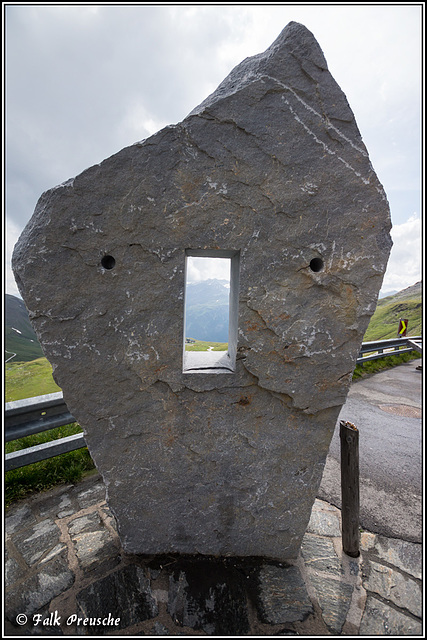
{"x":271,"y":172}
{"x":81,"y":582}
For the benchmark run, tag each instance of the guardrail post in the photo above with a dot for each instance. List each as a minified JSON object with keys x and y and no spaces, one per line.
{"x":349,"y":436}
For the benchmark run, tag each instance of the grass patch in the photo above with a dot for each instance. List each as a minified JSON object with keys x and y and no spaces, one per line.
{"x":374,"y":366}
{"x":199,"y":345}
{"x":29,"y":379}
{"x":40,"y":476}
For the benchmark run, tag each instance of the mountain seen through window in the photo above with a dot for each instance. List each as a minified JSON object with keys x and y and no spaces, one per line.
{"x":207,"y":312}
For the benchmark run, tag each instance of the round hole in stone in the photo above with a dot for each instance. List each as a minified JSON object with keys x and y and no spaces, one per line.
{"x":316,"y":264}
{"x":108,"y":262}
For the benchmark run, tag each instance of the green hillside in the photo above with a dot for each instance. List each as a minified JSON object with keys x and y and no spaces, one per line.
{"x":21,"y":344}
{"x":405,"y":304}
{"x":199,"y":345}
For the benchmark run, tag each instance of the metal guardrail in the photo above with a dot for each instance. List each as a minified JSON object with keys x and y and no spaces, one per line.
{"x":382,"y":348}
{"x":416,"y":343}
{"x":34,"y":415}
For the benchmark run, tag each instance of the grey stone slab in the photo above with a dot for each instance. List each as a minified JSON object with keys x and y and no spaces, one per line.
{"x":283,"y":595}
{"x":93,"y":542}
{"x":109,"y":517}
{"x":334,"y":598}
{"x":91,"y":496}
{"x":97,"y":548}
{"x":322,"y":505}
{"x":392,"y":585}
{"x":159,"y":629}
{"x":124,"y":594}
{"x":59,"y":550}
{"x":324,"y":523}
{"x":319,"y":555}
{"x":379,"y":619}
{"x":12,"y":571}
{"x":33,"y":543}
{"x":271,"y":172}
{"x":206,"y":596}
{"x":18,"y":517}
{"x":36,"y":592}
{"x":367,"y":540}
{"x":88,"y":522}
{"x":59,"y":505}
{"x":404,"y":555}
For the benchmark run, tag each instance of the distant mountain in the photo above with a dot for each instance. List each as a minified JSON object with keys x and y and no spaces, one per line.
{"x":415,"y":290}
{"x":405,"y":304}
{"x":386,"y":295}
{"x":207,"y":312}
{"x":206,"y":308}
{"x":21,"y":344}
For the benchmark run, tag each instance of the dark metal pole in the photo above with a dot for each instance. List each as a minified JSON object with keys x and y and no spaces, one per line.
{"x":349,"y":436}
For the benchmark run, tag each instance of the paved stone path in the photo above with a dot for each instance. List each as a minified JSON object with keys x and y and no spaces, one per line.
{"x":66,"y":574}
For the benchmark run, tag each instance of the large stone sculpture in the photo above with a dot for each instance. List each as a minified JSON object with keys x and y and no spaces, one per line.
{"x":271,"y":172}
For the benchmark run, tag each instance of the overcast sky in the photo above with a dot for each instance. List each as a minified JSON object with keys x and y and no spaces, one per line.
{"x":84,"y":81}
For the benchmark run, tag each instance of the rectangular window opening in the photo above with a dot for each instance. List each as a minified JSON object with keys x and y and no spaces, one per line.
{"x":210,"y":311}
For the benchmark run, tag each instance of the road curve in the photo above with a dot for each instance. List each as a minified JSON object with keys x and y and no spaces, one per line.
{"x":386,"y":408}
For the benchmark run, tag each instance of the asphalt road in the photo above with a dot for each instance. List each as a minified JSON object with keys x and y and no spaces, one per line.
{"x":386,"y":409}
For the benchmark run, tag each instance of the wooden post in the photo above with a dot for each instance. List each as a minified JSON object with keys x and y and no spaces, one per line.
{"x":349,"y":436}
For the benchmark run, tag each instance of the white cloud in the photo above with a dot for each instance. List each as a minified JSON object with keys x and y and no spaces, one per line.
{"x":404,"y":267}
{"x":199,"y":269}
{"x":138,"y":123}
{"x":82,"y":82}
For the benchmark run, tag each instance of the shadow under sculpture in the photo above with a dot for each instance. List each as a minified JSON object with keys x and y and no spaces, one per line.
{"x":270,"y":169}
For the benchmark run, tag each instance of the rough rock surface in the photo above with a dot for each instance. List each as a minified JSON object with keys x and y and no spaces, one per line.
{"x":272,"y":167}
